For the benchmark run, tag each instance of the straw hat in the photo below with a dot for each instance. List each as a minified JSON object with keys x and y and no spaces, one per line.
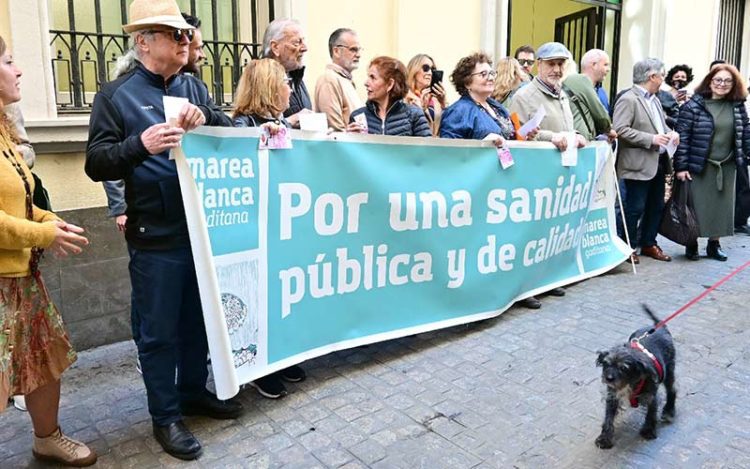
{"x":145,"y":13}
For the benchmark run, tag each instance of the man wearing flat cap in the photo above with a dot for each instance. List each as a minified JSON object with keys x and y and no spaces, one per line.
{"x":545,"y":90}
{"x":129,"y":140}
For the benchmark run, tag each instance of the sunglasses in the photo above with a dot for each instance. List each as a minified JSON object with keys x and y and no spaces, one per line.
{"x":177,"y":34}
{"x":427,"y":68}
{"x":525,"y":62}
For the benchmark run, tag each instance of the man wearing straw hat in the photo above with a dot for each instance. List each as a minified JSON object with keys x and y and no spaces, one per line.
{"x":129,"y":139}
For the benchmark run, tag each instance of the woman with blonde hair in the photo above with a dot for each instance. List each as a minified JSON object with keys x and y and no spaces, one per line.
{"x":260,"y":101}
{"x":262,"y":95}
{"x":34,"y":346}
{"x":510,"y":78}
{"x":422,"y":93}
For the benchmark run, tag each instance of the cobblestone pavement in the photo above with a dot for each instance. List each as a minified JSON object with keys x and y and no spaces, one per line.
{"x":520,"y":390}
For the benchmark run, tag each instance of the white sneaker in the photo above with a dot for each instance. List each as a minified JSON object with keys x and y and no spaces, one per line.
{"x":19,"y":402}
{"x":58,"y":448}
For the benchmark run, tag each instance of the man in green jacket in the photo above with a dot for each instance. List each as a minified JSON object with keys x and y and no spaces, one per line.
{"x":589,"y":116}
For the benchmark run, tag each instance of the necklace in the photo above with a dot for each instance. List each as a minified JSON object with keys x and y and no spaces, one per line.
{"x":9,"y":153}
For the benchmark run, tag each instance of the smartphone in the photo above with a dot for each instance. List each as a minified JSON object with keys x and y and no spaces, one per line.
{"x":437,"y":77}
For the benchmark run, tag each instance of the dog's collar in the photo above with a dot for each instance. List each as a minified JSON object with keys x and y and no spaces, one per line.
{"x":635,"y":344}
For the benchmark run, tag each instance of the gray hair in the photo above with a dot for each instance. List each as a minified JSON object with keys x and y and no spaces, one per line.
{"x":126,"y":62}
{"x":645,"y":68}
{"x":334,"y":38}
{"x":275,"y":31}
{"x":591,"y":57}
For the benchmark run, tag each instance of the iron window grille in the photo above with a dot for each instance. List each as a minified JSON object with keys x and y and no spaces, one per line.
{"x":83,"y":60}
{"x":730,"y":31}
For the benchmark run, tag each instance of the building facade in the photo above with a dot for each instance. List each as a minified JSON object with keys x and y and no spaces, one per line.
{"x":67,"y":48}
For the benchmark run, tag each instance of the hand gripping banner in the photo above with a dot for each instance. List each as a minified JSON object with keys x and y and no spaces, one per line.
{"x":346,"y":240}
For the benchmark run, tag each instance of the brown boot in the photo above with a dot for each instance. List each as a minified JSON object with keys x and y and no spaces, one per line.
{"x":58,"y":448}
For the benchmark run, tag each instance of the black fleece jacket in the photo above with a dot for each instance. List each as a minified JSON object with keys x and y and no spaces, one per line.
{"x":122,"y":110}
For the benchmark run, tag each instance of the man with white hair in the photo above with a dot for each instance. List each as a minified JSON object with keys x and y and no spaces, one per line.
{"x":284,"y":42}
{"x":642,"y":161}
{"x":130,"y":140}
{"x":589,"y":114}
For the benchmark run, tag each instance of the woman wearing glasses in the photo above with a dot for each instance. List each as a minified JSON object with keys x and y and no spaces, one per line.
{"x":34,"y":347}
{"x":260,"y":101}
{"x":476,"y":115}
{"x":714,"y":140}
{"x":423,"y":92}
{"x":385,"y":112}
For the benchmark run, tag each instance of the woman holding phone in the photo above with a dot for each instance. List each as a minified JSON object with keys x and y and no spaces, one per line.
{"x":426,"y":90}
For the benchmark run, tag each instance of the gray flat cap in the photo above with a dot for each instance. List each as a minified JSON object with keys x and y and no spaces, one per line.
{"x":553,"y":50}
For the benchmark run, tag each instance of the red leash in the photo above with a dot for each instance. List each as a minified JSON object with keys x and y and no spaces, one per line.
{"x":702,"y":295}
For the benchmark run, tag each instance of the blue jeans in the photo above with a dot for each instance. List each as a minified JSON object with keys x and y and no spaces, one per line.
{"x":168,"y":329}
{"x":643,"y":205}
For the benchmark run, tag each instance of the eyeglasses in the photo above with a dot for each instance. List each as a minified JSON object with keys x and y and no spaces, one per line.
{"x":427,"y":68}
{"x":352,"y":49}
{"x":177,"y":34}
{"x":722,"y":82}
{"x":485,"y":74}
{"x":525,"y":62}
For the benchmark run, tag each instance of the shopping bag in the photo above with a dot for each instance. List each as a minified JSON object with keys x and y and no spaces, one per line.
{"x":679,"y":222}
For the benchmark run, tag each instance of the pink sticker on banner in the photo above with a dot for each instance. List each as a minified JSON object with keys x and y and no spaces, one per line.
{"x":506,"y":159}
{"x":279,"y":141}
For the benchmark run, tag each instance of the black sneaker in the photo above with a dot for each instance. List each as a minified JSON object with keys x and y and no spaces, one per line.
{"x":293,"y":374}
{"x":270,"y":386}
{"x":557,"y":292}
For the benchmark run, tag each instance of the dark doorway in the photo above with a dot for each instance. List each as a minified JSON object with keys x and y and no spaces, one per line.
{"x":596,"y":27}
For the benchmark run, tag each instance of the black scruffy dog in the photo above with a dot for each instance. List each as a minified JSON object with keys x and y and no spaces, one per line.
{"x":634,"y":371}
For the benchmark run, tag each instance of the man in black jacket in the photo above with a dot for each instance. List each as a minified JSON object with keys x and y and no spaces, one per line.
{"x":284,"y":42}
{"x":129,"y":139}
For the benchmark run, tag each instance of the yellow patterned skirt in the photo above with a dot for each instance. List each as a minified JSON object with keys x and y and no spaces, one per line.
{"x":34,"y":347}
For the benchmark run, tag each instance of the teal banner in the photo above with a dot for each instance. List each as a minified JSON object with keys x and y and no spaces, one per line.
{"x":346,"y":240}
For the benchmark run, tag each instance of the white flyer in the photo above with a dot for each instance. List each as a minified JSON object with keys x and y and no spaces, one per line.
{"x":533,"y":123}
{"x":569,"y":157}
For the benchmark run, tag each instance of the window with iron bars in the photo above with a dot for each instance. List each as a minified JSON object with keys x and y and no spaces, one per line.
{"x":729,"y":33}
{"x":87,"y":38}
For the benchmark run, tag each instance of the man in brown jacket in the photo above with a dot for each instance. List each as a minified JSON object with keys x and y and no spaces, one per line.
{"x":335,"y":94}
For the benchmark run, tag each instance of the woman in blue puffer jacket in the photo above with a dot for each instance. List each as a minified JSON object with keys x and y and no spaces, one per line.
{"x":385,"y":112}
{"x":714,"y":142}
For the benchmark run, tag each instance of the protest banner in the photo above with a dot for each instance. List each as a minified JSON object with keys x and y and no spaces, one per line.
{"x":346,"y":240}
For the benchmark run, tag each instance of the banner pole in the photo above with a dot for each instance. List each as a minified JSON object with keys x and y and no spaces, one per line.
{"x":622,"y":209}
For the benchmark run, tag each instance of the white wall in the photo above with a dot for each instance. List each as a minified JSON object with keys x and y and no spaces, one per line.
{"x":675,"y":31}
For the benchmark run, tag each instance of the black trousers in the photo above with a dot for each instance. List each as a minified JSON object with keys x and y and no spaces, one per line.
{"x":742,"y":199}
